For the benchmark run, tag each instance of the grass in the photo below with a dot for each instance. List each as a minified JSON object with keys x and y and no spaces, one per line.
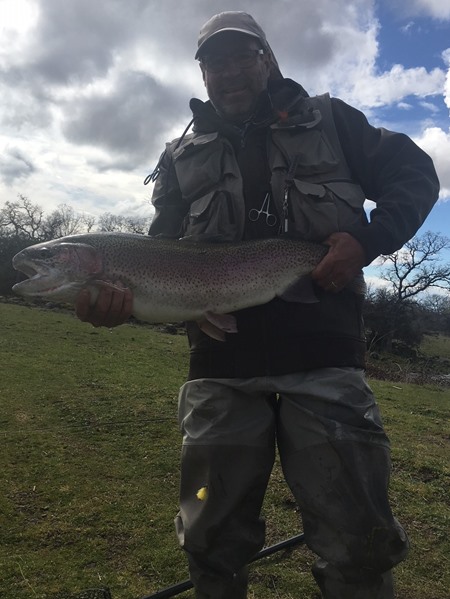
{"x":89,"y":467}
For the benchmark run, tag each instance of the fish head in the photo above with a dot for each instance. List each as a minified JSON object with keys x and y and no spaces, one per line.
{"x":56,"y":270}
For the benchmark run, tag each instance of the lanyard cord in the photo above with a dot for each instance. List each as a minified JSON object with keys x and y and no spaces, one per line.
{"x":157,"y":170}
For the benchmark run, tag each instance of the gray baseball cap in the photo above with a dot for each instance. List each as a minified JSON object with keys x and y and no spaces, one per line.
{"x":230,"y":21}
{"x":241,"y":22}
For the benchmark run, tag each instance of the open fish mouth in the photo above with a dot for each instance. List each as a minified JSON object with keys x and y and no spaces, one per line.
{"x":31,"y":269}
{"x":28,"y":270}
{"x":37,"y":285}
{"x":38,"y":279}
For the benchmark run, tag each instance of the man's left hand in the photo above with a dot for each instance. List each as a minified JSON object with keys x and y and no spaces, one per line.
{"x":343,"y":262}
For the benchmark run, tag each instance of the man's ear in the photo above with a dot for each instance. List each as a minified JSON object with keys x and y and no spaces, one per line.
{"x":268,"y":62}
{"x":203,"y":70}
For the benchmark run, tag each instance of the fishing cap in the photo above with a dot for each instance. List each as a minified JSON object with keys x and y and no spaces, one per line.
{"x":241,"y":22}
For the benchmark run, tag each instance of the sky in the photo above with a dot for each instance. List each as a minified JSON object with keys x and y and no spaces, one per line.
{"x":91,"y":90}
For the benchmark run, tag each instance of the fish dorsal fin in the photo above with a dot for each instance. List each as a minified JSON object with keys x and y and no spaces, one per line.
{"x":216,"y":325}
{"x":300,"y":291}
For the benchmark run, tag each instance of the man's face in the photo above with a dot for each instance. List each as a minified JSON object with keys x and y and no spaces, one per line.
{"x":234,"y":89}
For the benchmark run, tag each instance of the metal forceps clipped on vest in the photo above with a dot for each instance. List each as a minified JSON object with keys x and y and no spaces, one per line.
{"x":254,"y":214}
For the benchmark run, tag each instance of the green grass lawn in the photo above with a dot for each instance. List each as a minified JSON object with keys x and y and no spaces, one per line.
{"x":89,"y":467}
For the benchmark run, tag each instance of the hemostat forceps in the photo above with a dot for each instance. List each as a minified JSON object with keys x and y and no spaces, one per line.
{"x":254,"y":214}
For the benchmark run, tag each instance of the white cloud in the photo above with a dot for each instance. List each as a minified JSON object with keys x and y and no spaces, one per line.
{"x":436,"y":142}
{"x":373,"y":282}
{"x":389,"y":87}
{"x":430,"y":107}
{"x":17,"y":19}
{"x":436,"y":9}
{"x":446,"y":58}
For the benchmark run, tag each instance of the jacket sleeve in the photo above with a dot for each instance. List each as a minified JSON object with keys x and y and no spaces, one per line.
{"x":394,"y":173}
{"x":170,"y":209}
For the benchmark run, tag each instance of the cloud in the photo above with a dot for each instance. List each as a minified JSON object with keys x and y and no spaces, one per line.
{"x":446,"y":58}
{"x":430,"y":107}
{"x":398,"y":83}
{"x":129,"y":122}
{"x":436,"y":142}
{"x":436,"y":9}
{"x":76,"y":40}
{"x":14,"y":165}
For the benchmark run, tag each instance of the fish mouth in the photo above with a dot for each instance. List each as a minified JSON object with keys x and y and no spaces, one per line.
{"x":30,"y":268}
{"x":27,"y":269}
{"x":39,"y":278}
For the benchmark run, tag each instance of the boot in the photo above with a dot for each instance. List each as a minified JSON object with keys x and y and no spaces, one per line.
{"x":333,"y":585}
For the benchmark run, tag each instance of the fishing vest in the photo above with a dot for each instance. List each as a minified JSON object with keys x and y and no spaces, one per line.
{"x":311,"y":183}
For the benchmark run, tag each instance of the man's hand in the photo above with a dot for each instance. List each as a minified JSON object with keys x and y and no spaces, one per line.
{"x":112,"y":307}
{"x":343,"y":262}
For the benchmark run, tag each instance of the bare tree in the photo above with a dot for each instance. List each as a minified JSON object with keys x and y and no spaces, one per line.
{"x":418,"y":266}
{"x":109,"y":222}
{"x":126,"y":224}
{"x":24,"y":220}
{"x":437,"y":310}
{"x":66,"y":221}
{"x":395,"y":313}
{"x":21,"y":219}
{"x":387,"y":319}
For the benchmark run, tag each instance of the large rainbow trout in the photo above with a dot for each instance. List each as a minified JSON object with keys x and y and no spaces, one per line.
{"x":171,"y":280}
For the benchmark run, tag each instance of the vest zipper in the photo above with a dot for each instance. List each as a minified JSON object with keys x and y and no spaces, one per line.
{"x":287,"y":188}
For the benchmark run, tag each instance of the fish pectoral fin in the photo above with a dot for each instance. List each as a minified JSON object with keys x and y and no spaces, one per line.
{"x":211,"y":330}
{"x":300,"y":291}
{"x":216,"y":325}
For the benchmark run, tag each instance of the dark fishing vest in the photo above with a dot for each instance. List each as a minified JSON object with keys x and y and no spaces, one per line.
{"x":302,"y":163}
{"x":311,"y":183}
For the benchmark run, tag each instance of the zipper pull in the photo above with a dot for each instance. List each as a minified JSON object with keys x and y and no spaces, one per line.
{"x":286,"y":207}
{"x":287,"y":186}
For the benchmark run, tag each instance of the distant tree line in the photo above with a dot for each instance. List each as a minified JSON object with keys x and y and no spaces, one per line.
{"x":23,"y":223}
{"x":414,"y":298}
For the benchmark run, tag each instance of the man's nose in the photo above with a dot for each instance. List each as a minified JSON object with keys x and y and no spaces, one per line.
{"x":231,"y":67}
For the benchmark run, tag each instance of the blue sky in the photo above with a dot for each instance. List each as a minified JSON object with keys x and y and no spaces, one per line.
{"x":413,"y":42}
{"x":91,"y":91}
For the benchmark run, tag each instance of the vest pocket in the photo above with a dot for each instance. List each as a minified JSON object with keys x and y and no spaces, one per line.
{"x":318,"y":210}
{"x":199,"y":165}
{"x":312,"y":210}
{"x":349,"y":198}
{"x":311,"y":150}
{"x":212,"y":217}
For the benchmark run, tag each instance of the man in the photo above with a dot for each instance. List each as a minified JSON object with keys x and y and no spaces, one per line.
{"x":266,"y":159}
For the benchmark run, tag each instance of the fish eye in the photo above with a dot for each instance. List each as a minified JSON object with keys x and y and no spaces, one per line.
{"x":45,"y":253}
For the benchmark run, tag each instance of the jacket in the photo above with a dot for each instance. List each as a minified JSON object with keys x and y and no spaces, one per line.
{"x":309,"y":164}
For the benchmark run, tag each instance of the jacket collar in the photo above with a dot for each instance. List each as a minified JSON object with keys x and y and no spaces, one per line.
{"x":280,"y":98}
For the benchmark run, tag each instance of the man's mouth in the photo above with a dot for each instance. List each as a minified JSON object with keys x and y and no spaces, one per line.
{"x":232,"y":91}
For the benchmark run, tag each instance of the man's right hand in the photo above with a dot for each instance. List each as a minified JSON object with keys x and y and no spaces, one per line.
{"x":112,"y":307}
